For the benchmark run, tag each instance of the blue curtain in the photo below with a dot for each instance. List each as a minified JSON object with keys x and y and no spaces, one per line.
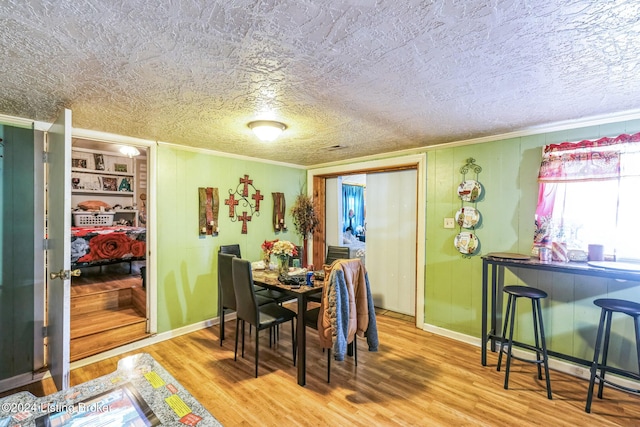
{"x":352,"y":199}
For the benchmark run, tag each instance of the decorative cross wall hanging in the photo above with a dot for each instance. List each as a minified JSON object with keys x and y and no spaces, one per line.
{"x":242,"y":200}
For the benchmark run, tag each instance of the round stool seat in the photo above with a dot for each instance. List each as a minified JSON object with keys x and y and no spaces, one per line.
{"x":619,"y":305}
{"x":525,"y":291}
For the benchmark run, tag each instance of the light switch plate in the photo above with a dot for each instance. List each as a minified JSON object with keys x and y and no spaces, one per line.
{"x":449,"y":223}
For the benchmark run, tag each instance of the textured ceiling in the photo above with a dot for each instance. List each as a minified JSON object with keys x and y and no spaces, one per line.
{"x":368,"y":76}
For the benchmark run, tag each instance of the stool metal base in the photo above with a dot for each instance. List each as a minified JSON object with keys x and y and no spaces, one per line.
{"x":609,"y":306}
{"x":540,"y":347}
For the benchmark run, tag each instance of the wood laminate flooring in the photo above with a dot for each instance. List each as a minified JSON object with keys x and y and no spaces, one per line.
{"x":415,"y":379}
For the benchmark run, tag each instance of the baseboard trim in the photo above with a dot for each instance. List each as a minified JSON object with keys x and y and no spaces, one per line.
{"x":21,"y":380}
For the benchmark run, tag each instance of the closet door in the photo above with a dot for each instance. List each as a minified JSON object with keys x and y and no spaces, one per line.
{"x":391,"y":239}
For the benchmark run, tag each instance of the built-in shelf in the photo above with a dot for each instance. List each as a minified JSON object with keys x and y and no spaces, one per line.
{"x":112,"y":193}
{"x":99,"y":172}
{"x":105,"y":176}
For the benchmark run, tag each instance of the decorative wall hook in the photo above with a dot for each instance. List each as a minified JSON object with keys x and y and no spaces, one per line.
{"x":470,"y":164}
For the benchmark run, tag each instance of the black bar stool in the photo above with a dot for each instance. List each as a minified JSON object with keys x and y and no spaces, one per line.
{"x":540,"y":347}
{"x":610,"y":306}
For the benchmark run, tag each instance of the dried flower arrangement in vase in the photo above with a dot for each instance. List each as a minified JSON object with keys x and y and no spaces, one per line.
{"x":304,"y":219}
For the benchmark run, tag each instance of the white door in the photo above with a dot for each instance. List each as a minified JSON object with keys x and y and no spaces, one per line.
{"x":391,"y":239}
{"x":58,"y":225}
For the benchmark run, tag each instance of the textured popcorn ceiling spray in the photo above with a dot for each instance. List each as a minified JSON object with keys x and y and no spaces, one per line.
{"x":366,"y":76}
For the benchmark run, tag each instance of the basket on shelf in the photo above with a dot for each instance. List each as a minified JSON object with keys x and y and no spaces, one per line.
{"x":94,"y":219}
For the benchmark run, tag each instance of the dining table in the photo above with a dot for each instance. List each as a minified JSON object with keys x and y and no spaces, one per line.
{"x":269,"y":279}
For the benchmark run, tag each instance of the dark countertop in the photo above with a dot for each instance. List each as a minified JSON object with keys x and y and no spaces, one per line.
{"x":570,"y":267}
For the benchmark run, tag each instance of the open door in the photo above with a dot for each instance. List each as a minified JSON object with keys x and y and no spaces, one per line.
{"x":58,"y":225}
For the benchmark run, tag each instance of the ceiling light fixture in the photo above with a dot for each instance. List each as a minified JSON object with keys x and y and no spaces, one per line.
{"x":267,"y":130}
{"x":130,"y":151}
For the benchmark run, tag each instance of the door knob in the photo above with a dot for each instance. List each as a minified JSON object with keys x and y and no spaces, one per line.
{"x":65,"y":274}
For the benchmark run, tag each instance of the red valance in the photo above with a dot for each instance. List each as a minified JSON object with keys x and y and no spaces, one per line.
{"x":592,"y":144}
{"x":605,"y":158}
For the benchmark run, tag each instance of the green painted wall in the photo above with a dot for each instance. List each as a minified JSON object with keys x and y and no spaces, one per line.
{"x":186,"y":270}
{"x":509,"y":177}
{"x":187,"y":262}
{"x":16,"y":265}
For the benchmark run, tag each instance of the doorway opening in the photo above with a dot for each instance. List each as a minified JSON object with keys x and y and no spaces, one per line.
{"x":319,"y":190}
{"x":346,"y":214}
{"x":108,"y":245}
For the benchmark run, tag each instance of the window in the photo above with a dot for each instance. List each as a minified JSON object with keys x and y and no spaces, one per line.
{"x":353,"y":207}
{"x":590,"y":193}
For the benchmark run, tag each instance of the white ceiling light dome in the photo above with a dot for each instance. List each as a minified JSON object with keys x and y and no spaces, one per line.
{"x":267,"y":130}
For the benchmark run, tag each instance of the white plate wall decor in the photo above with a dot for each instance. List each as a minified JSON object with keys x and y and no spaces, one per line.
{"x":469,"y":190}
{"x":466,"y":243}
{"x":467,"y":217}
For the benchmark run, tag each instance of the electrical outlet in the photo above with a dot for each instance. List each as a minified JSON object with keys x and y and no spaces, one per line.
{"x":449,"y":223}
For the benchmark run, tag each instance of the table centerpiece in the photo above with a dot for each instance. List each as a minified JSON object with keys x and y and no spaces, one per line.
{"x":282,"y":250}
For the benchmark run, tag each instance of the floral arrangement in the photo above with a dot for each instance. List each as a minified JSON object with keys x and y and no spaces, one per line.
{"x":266,"y":247}
{"x":282,"y":249}
{"x":278,"y":247}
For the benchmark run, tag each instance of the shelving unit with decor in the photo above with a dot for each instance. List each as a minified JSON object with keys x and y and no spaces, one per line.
{"x":104,"y":176}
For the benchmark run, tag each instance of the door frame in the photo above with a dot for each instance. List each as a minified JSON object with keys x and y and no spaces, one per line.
{"x":151,"y":225}
{"x":39,"y":269}
{"x":317,"y":177}
{"x":58,"y":251}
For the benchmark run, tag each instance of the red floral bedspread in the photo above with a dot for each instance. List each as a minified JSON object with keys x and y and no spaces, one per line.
{"x":106,"y":245}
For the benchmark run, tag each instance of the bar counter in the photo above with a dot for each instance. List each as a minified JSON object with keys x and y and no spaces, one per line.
{"x":493,"y":266}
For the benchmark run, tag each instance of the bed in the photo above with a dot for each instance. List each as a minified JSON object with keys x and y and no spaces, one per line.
{"x":356,"y":247}
{"x":95,"y":246}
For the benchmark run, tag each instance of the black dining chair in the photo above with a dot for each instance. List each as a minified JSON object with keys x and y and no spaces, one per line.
{"x":264,"y":293}
{"x":274,"y":295}
{"x":248,"y":310}
{"x":234,"y":249}
{"x":311,"y":320}
{"x":226,"y":291}
{"x":336,"y":252}
{"x":333,"y":253}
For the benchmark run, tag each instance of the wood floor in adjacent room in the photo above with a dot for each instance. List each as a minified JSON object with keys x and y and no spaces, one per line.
{"x":416,"y":378}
